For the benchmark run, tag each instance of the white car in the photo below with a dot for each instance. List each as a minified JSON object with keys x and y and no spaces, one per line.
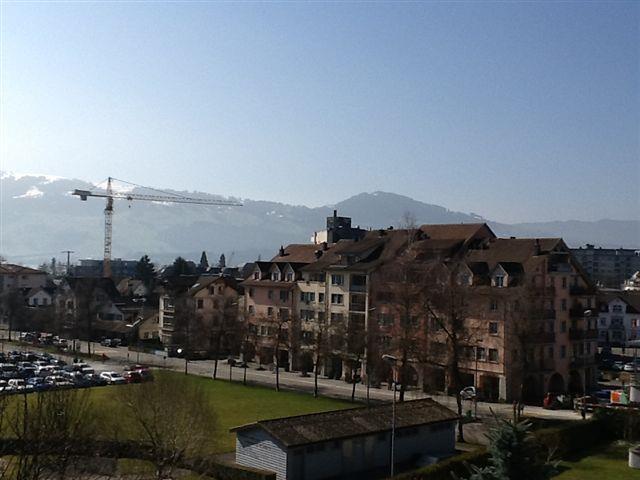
{"x":468,"y":393}
{"x":113,"y":378}
{"x":629,"y":367}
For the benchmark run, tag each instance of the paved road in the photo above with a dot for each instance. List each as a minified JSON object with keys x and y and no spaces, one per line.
{"x":294,"y":381}
{"x":117,"y":357}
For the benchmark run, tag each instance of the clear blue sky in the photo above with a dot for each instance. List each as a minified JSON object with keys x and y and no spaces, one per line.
{"x":519,"y":112}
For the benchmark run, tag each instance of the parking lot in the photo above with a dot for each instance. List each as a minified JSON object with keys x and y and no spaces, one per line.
{"x":27,"y":370}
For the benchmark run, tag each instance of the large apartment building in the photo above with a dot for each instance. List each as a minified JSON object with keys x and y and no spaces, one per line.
{"x":608,"y":267}
{"x":527,"y":303}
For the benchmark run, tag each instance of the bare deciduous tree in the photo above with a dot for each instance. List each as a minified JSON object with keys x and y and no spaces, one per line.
{"x":171,"y":417}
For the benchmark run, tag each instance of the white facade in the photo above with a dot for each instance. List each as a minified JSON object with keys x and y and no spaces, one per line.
{"x":618,"y":322}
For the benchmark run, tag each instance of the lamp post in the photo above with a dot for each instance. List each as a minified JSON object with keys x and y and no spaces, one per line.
{"x":583,"y":410}
{"x":476,"y":382}
{"x":391,"y":360}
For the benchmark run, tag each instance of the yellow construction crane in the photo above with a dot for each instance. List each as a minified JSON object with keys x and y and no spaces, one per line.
{"x":110,"y":194}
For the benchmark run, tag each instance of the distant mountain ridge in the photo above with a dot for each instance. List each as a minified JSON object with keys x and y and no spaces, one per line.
{"x":39,"y":219}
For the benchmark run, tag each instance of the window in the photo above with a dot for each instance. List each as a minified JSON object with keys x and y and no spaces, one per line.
{"x":337,"y":280}
{"x":481,"y":353}
{"x":275,"y":276}
{"x":307,"y":337}
{"x":270,"y":294}
{"x":550,"y":352}
{"x":385,"y":319}
{"x":289,"y":277}
{"x":563,"y":305}
{"x":564,"y":282}
{"x":252,"y":309}
{"x":200,"y":304}
{"x":283,"y":313}
{"x":284,"y":295}
{"x":588,"y":348}
{"x":563,"y":326}
{"x":216,"y":304}
{"x":251,"y":291}
{"x":493,"y":355}
{"x":307,"y":297}
{"x":337,"y":299}
{"x":321,"y":317}
{"x":617,"y":308}
{"x":321,"y":298}
{"x":563,"y":351}
{"x":306,"y":315}
{"x":499,"y":280}
{"x":493,"y":305}
{"x":493,"y":328}
{"x":337,"y":318}
{"x":270,"y":311}
{"x":256,"y":275}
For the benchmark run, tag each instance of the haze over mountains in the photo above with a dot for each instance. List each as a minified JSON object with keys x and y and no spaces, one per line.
{"x":39,"y":218}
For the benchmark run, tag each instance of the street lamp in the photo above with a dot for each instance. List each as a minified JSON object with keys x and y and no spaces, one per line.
{"x":583,"y":410}
{"x":476,"y":382}
{"x":391,"y":360}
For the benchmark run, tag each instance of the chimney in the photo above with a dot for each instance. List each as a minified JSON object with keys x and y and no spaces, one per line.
{"x":335,"y":214}
{"x":537,"y":249}
{"x":281,"y":252}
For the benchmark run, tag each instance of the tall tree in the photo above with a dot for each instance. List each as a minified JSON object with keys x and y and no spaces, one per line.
{"x":13,"y":309}
{"x":446,"y":299}
{"x":146,"y":270}
{"x":182,"y":267}
{"x":204,"y":262}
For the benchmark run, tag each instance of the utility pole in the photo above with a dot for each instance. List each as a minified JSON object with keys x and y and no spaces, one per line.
{"x":68,"y":252}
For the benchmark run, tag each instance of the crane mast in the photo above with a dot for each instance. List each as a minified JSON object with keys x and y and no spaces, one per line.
{"x":110,"y":194}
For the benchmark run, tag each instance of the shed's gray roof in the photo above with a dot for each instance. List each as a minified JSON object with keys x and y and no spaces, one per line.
{"x":336,"y":424}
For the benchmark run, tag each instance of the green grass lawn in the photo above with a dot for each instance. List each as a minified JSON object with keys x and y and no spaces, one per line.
{"x":603,"y":463}
{"x":233,"y":403}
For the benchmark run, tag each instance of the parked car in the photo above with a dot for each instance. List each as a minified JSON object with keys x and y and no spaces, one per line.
{"x":38,"y":384}
{"x":468,"y":393}
{"x":105,"y":342}
{"x":133,"y":376}
{"x":590,"y":403}
{"x":113,"y":378}
{"x":95,"y":380}
{"x":631,"y":367}
{"x":618,"y":366}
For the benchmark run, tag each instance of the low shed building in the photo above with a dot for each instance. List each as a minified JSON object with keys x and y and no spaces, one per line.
{"x":352,"y":443}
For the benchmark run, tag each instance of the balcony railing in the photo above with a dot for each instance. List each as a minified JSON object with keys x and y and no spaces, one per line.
{"x":581,"y":334}
{"x":357,"y":288}
{"x":543,"y":337}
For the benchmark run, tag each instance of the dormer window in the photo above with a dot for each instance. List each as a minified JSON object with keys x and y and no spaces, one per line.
{"x":289,"y":277}
{"x":498,"y":281}
{"x":275,"y":276}
{"x":256,"y":275}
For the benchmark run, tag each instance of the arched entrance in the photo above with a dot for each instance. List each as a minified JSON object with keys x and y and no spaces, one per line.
{"x":575,"y":382}
{"x":556,"y":384}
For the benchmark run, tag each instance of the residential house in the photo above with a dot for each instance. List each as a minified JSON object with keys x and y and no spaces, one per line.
{"x":352,"y":443}
{"x":618,"y":317}
{"x":17,"y":277}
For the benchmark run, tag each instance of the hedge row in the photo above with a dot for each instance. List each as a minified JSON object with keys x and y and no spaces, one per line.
{"x":442,"y":470}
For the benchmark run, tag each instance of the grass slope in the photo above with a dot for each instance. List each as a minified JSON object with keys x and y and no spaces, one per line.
{"x":603,"y":463}
{"x":233,"y":403}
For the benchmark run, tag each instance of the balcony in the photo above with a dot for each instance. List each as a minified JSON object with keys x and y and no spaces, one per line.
{"x":357,"y":288}
{"x":543,"y":337}
{"x":576,"y":312}
{"x":577,"y":334}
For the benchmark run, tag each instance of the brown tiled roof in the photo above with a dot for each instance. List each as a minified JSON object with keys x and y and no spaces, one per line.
{"x":514,"y":250}
{"x":326,"y":426}
{"x":460,"y":231}
{"x":298,"y":253}
{"x":12,"y":269}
